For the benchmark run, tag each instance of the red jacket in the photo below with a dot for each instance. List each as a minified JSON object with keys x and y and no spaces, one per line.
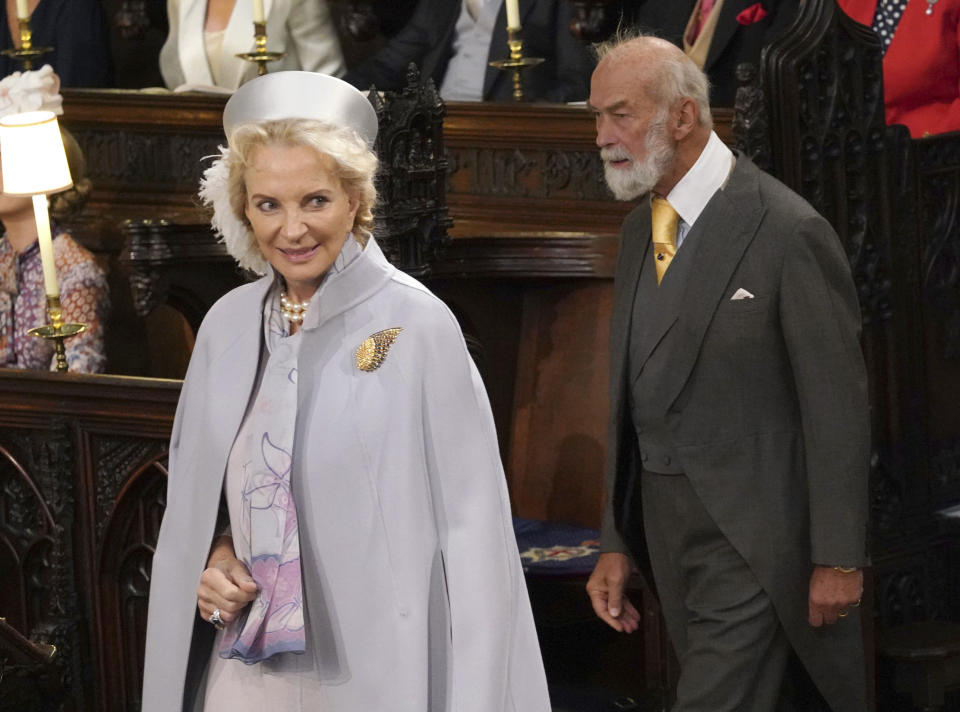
{"x":921,"y":70}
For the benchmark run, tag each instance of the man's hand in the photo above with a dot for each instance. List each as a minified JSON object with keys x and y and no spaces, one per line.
{"x":832,"y":593}
{"x":225,"y":584}
{"x":605,"y":589}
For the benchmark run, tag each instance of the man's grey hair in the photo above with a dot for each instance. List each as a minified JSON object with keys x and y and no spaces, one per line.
{"x":676,"y":76}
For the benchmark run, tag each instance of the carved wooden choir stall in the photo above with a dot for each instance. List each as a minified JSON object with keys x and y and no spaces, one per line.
{"x":527,"y":266}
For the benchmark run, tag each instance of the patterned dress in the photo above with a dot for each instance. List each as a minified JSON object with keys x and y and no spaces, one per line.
{"x":258,"y":485}
{"x":261,"y":657}
{"x":84,"y":296}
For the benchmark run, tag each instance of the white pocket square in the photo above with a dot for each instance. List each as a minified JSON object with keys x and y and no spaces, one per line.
{"x":741,"y":294}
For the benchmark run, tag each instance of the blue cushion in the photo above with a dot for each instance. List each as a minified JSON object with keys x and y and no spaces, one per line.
{"x":554,"y":549}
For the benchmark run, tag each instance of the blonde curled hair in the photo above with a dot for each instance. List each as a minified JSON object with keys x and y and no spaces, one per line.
{"x":223,"y":186}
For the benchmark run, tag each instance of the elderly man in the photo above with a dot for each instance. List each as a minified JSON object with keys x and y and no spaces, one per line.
{"x":740,"y":428}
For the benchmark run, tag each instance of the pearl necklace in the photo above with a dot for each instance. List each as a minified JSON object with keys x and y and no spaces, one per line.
{"x":292,"y":311}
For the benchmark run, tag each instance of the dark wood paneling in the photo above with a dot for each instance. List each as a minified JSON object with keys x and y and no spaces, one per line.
{"x":560,"y":408}
{"x":537,"y":164}
{"x":82,"y":477}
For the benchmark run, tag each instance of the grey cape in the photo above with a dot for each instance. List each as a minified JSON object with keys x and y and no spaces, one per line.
{"x":415,"y":598}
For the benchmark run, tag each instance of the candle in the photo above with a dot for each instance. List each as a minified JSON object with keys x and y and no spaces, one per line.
{"x":23,"y":9}
{"x":513,"y":15}
{"x":46,"y":245}
{"x":258,"y":14}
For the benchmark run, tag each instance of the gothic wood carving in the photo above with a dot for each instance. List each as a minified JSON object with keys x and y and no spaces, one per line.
{"x":411,"y":219}
{"x":751,"y":125}
{"x":900,"y":595}
{"x":28,"y":677}
{"x":824,"y":94}
{"x":824,"y":83}
{"x":886,"y":500}
{"x":918,"y":586}
{"x":938,"y":166}
{"x":904,"y":369}
{"x":74,"y":563}
{"x":125,"y":558}
{"x":536,"y":162}
{"x":528,"y":173}
{"x":116,"y":459}
{"x":145,"y":160}
{"x":945,"y":473}
{"x":181,"y":265}
{"x":37,"y":504}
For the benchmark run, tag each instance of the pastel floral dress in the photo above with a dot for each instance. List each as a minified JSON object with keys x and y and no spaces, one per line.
{"x":263,"y":658}
{"x":84,"y":296}
{"x":265,"y":537}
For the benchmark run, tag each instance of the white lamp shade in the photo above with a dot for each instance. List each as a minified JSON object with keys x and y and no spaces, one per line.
{"x":32,"y":156}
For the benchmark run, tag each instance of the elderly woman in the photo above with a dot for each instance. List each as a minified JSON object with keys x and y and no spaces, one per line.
{"x":368,"y":561}
{"x":84,"y":294}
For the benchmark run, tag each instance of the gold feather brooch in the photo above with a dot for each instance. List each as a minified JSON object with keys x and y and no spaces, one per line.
{"x":373,"y":351}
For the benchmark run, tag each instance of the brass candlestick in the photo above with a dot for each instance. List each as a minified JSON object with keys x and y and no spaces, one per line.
{"x":27,"y":52}
{"x":57,"y":331}
{"x":260,"y":55}
{"x":517,"y":62}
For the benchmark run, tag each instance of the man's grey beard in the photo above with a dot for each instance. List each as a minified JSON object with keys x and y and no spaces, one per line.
{"x":640,"y":177}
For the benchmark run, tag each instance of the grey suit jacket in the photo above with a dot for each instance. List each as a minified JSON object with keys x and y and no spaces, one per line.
{"x":765,"y":401}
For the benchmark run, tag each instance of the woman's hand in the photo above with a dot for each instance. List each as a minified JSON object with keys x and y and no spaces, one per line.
{"x":225,"y":584}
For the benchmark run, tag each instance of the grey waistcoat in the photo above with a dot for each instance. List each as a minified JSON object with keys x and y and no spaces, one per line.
{"x":652,"y":304}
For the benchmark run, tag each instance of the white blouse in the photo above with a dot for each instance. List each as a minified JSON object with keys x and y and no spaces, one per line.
{"x":303,"y":29}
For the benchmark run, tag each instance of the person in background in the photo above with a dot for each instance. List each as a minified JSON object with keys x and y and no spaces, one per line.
{"x":206,"y":35}
{"x":921,"y":60}
{"x":75,"y":30}
{"x":84,"y":294}
{"x":452,"y":42}
{"x":740,"y":432}
{"x":366,"y":559}
{"x":718,"y":35}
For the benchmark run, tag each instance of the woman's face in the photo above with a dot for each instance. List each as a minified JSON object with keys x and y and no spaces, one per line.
{"x":299,"y":213}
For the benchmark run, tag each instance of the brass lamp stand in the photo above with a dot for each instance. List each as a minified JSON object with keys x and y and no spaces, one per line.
{"x":517,"y":62}
{"x":35,"y":164}
{"x":57,"y":331}
{"x":26,"y":53}
{"x":260,"y":55}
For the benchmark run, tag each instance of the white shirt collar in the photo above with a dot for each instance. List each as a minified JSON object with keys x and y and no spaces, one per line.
{"x":692,"y":193}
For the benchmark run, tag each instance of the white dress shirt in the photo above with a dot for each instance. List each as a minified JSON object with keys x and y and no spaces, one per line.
{"x":304,"y":29}
{"x":692,"y":193}
{"x":463,"y":79}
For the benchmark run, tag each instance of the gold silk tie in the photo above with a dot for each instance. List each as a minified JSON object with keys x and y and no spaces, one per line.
{"x":664,"y":223}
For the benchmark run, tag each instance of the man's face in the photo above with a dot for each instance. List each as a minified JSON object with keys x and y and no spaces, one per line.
{"x":634,"y":144}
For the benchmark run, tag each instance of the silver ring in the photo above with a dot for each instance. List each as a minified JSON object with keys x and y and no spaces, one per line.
{"x":216,"y":620}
